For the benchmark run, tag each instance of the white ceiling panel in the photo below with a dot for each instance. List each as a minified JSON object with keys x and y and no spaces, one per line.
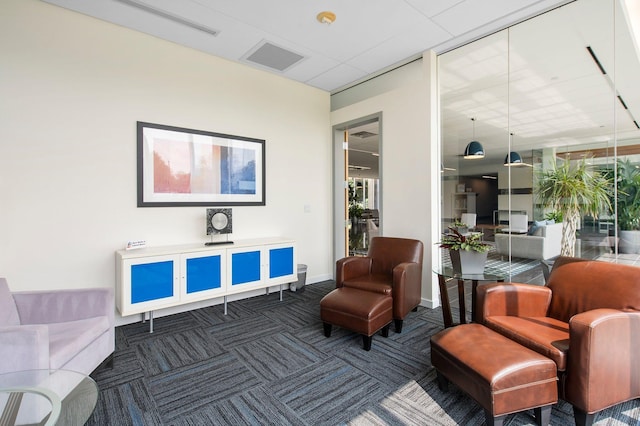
{"x":367,"y":37}
{"x":409,"y":43}
{"x":339,"y":76}
{"x":471,"y":14}
{"x":431,"y":8}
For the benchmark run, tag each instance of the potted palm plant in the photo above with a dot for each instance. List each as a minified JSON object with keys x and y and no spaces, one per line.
{"x":628,"y":203}
{"x":468,"y":252}
{"x":570,"y":190}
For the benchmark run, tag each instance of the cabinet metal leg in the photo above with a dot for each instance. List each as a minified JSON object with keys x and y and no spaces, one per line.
{"x":150,"y":321}
{"x":225,"y":305}
{"x":281,"y":292}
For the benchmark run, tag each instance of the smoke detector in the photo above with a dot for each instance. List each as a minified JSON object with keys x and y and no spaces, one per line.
{"x":326,"y":17}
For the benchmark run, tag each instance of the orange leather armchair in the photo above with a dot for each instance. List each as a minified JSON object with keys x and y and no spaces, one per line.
{"x":586,"y":319}
{"x":392,"y":266}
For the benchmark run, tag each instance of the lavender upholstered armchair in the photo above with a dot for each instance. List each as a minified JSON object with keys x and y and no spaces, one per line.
{"x":64,"y":329}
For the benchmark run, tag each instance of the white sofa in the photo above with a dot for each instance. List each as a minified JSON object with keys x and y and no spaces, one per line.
{"x":544,"y":244}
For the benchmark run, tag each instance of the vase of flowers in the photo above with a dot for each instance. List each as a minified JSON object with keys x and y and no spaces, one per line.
{"x":468,"y":252}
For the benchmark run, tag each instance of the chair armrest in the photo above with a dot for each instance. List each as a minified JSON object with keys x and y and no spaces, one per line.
{"x":512,"y":299}
{"x":351,"y":267}
{"x":24,"y":347}
{"x":602,"y":366}
{"x":46,"y":307}
{"x":407,"y":287}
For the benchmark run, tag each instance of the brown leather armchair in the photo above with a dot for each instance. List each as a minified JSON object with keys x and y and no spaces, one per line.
{"x":392,"y":266}
{"x":586,"y":319}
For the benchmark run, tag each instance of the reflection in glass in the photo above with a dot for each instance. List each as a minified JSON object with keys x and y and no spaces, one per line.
{"x":564,"y":83}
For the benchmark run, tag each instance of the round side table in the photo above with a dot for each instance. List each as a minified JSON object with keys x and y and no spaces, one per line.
{"x":49,"y":397}
{"x":446,"y":273}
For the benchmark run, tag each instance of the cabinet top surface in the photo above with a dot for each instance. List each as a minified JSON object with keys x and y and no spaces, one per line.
{"x":196,"y":247}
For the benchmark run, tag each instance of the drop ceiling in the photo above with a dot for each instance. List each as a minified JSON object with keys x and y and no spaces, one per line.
{"x":284,"y":37}
{"x":373,"y":36}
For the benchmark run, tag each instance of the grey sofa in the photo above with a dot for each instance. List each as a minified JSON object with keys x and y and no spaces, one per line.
{"x":63,"y":329}
{"x":545,"y":244}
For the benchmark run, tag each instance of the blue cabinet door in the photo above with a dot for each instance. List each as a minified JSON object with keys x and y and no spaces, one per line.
{"x":203,"y":273}
{"x":280,"y":262}
{"x":245,"y":267}
{"x":152,"y":281}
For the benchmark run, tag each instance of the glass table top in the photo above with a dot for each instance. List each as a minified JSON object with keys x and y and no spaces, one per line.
{"x":47,"y":397}
{"x":489,"y":274}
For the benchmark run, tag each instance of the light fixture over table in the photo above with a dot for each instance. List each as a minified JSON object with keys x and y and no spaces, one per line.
{"x":474,"y":149}
{"x":513,"y":158}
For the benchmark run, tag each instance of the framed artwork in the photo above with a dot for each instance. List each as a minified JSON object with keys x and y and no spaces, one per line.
{"x":186,"y":167}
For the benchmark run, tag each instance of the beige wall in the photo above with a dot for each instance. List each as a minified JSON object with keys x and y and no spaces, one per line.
{"x":71,"y":90}
{"x":410,"y":199}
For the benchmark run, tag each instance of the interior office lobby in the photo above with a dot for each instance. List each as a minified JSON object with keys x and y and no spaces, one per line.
{"x":558,"y":88}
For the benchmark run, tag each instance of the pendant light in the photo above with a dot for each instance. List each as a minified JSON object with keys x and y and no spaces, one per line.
{"x":513,"y":158}
{"x":474,"y":149}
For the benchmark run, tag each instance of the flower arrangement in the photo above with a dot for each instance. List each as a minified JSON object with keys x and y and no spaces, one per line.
{"x":454,"y":240}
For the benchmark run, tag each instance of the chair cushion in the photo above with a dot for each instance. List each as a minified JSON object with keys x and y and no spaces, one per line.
{"x":547,"y":336}
{"x":8,"y":311}
{"x":377,"y":283}
{"x":67,"y":339}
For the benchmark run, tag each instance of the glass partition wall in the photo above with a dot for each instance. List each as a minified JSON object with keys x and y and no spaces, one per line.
{"x":553,"y":94}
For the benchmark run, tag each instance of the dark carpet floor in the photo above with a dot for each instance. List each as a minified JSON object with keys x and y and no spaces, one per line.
{"x":268,"y":362}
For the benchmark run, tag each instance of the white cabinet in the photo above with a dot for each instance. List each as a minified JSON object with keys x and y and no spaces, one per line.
{"x":463,"y":202}
{"x":154,"y":278}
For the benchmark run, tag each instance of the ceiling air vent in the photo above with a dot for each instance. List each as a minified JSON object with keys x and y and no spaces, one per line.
{"x":170,"y":16}
{"x":363,"y":134}
{"x":274,"y":57}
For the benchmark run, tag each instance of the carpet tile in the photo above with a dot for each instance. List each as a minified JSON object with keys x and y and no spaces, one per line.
{"x":268,"y":362}
{"x":135,"y":406}
{"x":182,"y":390}
{"x":252,"y":328}
{"x":328,"y":392}
{"x":254,"y":407}
{"x":276,"y":356}
{"x":386,"y":359}
{"x":167,"y":352}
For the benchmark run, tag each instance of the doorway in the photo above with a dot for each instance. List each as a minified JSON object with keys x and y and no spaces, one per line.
{"x":357,"y":184}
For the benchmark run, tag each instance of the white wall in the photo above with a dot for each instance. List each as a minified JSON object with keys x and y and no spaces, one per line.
{"x":71,"y":90}
{"x":409,"y":183}
{"x":516,"y":178}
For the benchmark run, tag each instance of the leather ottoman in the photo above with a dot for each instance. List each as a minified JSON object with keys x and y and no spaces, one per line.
{"x":364,"y":312}
{"x":502,"y":376}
